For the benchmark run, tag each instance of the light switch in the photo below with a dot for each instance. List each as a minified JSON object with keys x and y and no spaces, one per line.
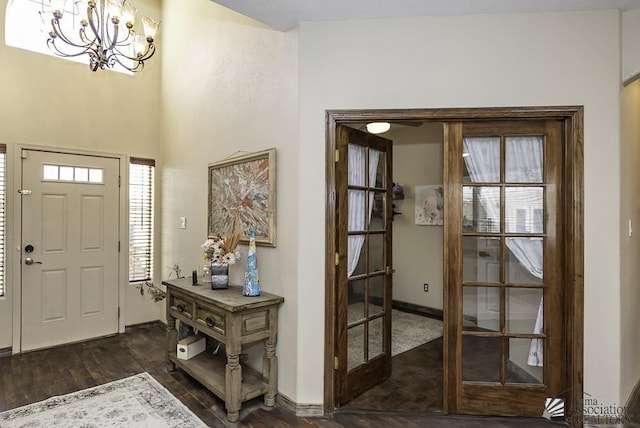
{"x":183,"y":222}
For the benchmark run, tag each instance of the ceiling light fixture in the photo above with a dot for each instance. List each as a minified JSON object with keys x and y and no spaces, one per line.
{"x":378,"y":127}
{"x":105,"y":34}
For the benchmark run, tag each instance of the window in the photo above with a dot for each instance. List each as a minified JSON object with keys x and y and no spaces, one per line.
{"x":141,"y":172}
{"x":3,"y":161}
{"x":73,"y":174}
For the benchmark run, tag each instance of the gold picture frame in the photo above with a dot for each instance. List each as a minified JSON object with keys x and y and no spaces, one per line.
{"x":242,"y":197}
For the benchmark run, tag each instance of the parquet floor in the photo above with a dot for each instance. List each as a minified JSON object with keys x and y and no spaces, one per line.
{"x":35,"y":376}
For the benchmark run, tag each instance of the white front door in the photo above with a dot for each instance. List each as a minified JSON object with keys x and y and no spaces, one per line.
{"x":70,"y":206}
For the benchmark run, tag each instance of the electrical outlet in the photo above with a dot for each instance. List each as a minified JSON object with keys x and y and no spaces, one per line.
{"x":183,"y":222}
{"x":426,"y":288}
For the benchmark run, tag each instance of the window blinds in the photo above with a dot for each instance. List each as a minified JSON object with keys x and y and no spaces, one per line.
{"x":141,"y":173}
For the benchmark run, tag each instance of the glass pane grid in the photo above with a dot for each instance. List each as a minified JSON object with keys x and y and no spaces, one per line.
{"x":503,"y":287}
{"x":365,"y":329}
{"x":71,"y":174}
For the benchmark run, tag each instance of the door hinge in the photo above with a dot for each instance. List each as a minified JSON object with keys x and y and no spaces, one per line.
{"x":24,"y":192}
{"x":24,"y":154}
{"x":337,"y":259}
{"x":118,"y":246}
{"x":337,"y":157}
{"x":336,"y":363}
{"x":118,"y":312}
{"x":119,"y":181}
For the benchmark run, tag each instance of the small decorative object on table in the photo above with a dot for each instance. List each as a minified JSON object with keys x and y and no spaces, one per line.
{"x":219,"y":275}
{"x":251,"y":278}
{"x":221,"y":252}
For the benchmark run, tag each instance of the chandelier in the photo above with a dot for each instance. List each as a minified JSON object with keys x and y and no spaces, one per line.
{"x":105,"y":33}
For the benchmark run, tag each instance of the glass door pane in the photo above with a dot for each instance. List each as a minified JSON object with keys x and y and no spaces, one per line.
{"x":502,"y":247}
{"x":367,"y":219}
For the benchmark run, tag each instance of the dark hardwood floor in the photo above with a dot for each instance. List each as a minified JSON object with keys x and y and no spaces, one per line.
{"x":35,"y":376}
{"x":415,"y":383}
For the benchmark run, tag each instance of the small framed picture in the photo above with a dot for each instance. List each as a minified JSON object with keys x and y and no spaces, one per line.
{"x":429,"y":205}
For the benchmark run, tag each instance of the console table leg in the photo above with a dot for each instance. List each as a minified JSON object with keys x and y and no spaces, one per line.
{"x":270,"y":373}
{"x":233,"y":383}
{"x":172,"y":341}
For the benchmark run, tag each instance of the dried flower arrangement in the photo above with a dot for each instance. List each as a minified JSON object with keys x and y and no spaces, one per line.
{"x":222,"y":249}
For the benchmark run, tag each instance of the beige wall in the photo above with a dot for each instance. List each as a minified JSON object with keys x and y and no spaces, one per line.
{"x":417,"y":250}
{"x":630,"y":45}
{"x":470,"y":61}
{"x":630,"y":245}
{"x":49,"y":102}
{"x":229,"y":86}
{"x":630,"y":205}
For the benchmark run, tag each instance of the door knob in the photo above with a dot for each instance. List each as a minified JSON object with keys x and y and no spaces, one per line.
{"x":29,"y":261}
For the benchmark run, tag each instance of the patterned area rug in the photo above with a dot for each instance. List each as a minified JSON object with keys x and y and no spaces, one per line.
{"x":407,"y":331}
{"x":135,"y":402}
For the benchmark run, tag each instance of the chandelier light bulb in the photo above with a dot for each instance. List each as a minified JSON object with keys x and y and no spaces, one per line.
{"x":57,"y":7}
{"x":139,"y":45}
{"x":114,"y":8}
{"x":128,"y":15}
{"x":150,"y":28}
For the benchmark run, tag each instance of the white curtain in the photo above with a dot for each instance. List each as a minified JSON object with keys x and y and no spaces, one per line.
{"x":356,"y":207}
{"x":523,"y":164}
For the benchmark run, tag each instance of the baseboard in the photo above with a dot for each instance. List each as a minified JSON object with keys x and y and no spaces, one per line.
{"x":300,"y":410}
{"x":144,"y":325}
{"x":425,"y":311}
{"x":6,"y":352}
{"x":418,"y":309}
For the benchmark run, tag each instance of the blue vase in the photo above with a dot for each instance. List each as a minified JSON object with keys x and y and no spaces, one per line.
{"x":251,"y":278}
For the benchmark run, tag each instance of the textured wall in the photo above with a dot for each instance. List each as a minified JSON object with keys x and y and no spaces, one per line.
{"x":473,"y":61}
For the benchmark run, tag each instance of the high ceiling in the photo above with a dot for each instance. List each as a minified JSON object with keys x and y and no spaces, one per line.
{"x":286,"y":14}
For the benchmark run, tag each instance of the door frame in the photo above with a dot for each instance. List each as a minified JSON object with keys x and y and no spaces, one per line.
{"x":572,"y":211}
{"x":14,"y":242}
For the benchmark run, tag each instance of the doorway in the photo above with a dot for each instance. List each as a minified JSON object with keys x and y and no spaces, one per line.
{"x":70,"y":206}
{"x":568,"y":210}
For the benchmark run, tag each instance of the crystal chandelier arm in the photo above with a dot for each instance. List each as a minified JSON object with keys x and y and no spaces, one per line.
{"x":100,"y":27}
{"x":92,"y":22}
{"x":84,"y":38}
{"x":138,"y":67}
{"x":111,"y":41}
{"x":57,"y":33}
{"x":148,"y":53}
{"x":52,"y":45}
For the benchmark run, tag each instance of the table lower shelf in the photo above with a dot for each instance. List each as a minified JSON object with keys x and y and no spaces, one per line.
{"x":210,"y":371}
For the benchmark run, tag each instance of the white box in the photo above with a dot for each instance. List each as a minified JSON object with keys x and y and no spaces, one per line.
{"x":191,"y":346}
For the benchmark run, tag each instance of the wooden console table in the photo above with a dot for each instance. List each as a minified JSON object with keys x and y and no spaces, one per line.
{"x":234,"y":320}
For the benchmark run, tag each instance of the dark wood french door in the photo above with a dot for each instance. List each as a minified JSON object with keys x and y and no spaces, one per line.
{"x":363,"y":261}
{"x":505,"y":336}
{"x":483,"y":326}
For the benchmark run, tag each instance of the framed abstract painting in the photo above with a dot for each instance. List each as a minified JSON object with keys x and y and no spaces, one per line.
{"x":242,"y":197}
